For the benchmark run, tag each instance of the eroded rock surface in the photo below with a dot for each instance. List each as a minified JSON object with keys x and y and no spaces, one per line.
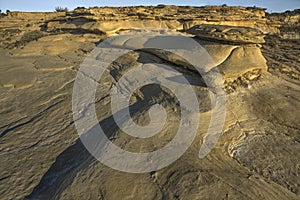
{"x":228,"y":33}
{"x":42,"y":157}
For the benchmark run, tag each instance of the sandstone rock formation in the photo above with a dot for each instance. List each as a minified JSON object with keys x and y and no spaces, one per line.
{"x":288,"y":23}
{"x":228,"y":33}
{"x":256,"y":157}
{"x":110,"y":20}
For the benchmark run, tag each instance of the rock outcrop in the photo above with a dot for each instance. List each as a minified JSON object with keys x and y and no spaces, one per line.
{"x":231,"y":34}
{"x":288,"y":23}
{"x":256,"y":156}
{"x":112,"y":19}
{"x":173,"y":17}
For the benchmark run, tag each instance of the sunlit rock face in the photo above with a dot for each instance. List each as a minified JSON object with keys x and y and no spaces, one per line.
{"x":257,"y":55}
{"x":243,"y":35}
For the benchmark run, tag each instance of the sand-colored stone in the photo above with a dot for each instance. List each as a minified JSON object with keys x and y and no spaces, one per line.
{"x":242,"y":60}
{"x":256,"y":157}
{"x":228,"y":33}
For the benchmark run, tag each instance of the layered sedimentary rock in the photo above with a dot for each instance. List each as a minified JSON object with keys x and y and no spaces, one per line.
{"x":228,"y":33}
{"x":288,"y":23}
{"x":110,"y":20}
{"x":257,"y":154}
{"x":172,"y":17}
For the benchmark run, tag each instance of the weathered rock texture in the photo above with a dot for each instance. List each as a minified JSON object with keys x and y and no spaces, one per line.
{"x":228,"y":33}
{"x":110,"y":20}
{"x":256,"y":157}
{"x":288,"y":23}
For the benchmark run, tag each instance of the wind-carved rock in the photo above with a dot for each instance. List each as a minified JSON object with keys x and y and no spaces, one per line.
{"x":256,"y":157}
{"x":233,"y":34}
{"x":244,"y":62}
